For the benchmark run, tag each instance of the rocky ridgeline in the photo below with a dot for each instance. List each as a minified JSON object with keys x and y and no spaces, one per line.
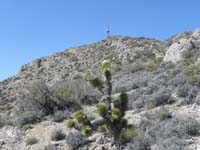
{"x":74,"y":63}
{"x":161,"y":78}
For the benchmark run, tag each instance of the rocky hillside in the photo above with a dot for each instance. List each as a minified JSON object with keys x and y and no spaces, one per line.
{"x":161,"y":79}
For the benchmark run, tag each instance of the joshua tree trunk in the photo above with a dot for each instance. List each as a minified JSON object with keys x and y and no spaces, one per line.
{"x":109,"y":90}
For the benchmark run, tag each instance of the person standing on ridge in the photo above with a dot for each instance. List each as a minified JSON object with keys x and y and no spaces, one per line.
{"x":108,"y":32}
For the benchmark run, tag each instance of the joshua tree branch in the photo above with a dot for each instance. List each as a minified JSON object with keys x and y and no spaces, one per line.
{"x":98,"y":122}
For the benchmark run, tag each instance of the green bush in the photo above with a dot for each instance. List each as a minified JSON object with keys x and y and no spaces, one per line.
{"x":66,"y":93}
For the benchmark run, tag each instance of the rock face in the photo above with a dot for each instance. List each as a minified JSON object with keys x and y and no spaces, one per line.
{"x":161,"y":79}
{"x":174,"y":52}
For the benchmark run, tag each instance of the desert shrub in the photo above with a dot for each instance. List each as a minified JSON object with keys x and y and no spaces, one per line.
{"x":170,"y":75}
{"x":74,"y":139}
{"x":158,"y":131}
{"x":139,"y":143}
{"x":27,"y":117}
{"x":150,"y":105}
{"x":158,"y":60}
{"x":161,"y":97}
{"x":129,"y":133}
{"x":192,"y":72}
{"x":172,"y":143}
{"x":140,"y":82}
{"x":192,"y":127}
{"x":41,"y":98}
{"x":188,"y":61}
{"x":57,"y":135}
{"x":135,"y":67}
{"x":192,"y":79}
{"x":179,"y":79}
{"x":31,"y":140}
{"x":66,"y":93}
{"x":192,"y":69}
{"x":150,"y":55}
{"x":151,"y":67}
{"x":189,"y":92}
{"x":117,"y":67}
{"x":59,"y":116}
{"x":135,"y":86}
{"x":192,"y":93}
{"x":73,"y":92}
{"x":182,"y":90}
{"x":165,"y":114}
{"x":189,"y":54}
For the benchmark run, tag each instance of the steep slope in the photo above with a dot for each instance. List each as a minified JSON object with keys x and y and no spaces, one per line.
{"x":74,"y":63}
{"x":161,"y":79}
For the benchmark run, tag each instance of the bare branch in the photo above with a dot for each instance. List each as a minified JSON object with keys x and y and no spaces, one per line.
{"x":98,"y":122}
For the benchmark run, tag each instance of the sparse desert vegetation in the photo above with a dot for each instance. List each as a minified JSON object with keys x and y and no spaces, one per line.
{"x":149,"y":100}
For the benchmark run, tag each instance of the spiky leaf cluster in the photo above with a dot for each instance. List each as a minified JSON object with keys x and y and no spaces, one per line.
{"x":80,"y":116}
{"x":116,"y":115}
{"x":95,"y":81}
{"x":102,"y":109}
{"x":70,"y":124}
{"x":86,"y":130}
{"x":106,"y":66}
